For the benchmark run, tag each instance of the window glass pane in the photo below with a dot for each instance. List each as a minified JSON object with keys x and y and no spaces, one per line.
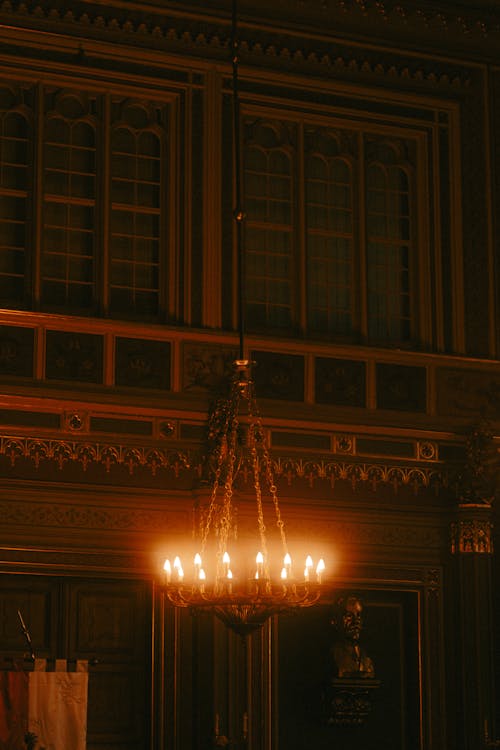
{"x":136,"y":158}
{"x":68,"y":242}
{"x":269,"y":196}
{"x":329,"y":207}
{"x":388,"y":246}
{"x":15,"y":135}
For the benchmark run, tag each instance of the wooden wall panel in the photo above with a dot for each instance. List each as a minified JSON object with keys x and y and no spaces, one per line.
{"x":105,"y":622}
{"x":305,"y":669}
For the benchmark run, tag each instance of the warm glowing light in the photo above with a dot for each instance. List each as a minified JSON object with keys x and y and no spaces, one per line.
{"x":168,"y":569}
{"x":284,"y":574}
{"x":202,"y":575}
{"x":229,"y":573}
{"x":226,"y":559}
{"x":177,"y":563}
{"x":197,"y":560}
{"x":320,"y":569}
{"x":259,"y":559}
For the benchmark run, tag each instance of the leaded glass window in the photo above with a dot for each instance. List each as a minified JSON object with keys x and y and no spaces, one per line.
{"x":68,"y":239}
{"x":15,"y":135}
{"x":84,"y":213}
{"x":329,"y":242}
{"x":136,"y":153}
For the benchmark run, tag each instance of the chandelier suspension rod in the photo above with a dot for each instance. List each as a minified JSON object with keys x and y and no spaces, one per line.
{"x":238,"y":213}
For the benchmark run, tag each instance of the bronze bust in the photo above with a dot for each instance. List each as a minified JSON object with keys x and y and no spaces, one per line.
{"x":349,"y":658}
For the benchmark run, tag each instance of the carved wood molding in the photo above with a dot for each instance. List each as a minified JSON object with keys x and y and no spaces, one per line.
{"x":71,"y":516}
{"x":183,"y":33}
{"x":188,"y":469}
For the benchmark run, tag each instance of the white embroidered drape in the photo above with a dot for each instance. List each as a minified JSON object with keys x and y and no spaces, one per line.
{"x":58,"y":706}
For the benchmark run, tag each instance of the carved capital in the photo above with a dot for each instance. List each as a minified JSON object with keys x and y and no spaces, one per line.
{"x":471,"y":532}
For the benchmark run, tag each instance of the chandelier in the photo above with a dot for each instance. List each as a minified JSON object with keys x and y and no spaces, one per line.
{"x":246,"y":589}
{"x":242,"y":588}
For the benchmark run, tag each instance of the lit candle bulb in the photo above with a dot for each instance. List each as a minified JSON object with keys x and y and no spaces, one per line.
{"x":178,"y":568}
{"x":197,"y":563}
{"x":229,"y":580}
{"x":308,"y":568}
{"x":319,"y":569}
{"x":168,"y":570}
{"x":202,"y":578}
{"x":284,"y":574}
{"x":225,"y":561}
{"x":260,"y":564}
{"x":287,"y":562}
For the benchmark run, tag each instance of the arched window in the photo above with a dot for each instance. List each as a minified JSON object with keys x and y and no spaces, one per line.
{"x":329,"y":242}
{"x":136,"y":154}
{"x":15,"y":134}
{"x":388,"y":245}
{"x":269,"y":237}
{"x":68,"y":236}
{"x":329,"y":236}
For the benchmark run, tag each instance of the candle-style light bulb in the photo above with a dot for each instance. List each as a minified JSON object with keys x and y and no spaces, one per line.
{"x":168,"y":570}
{"x":308,"y":568}
{"x":320,"y":567}
{"x":202,"y":578}
{"x":180,"y":573}
{"x":259,"y":559}
{"x":177,"y":562}
{"x":197,"y":561}
{"x":287,"y":561}
{"x":284,"y":574}
{"x":225,"y":562}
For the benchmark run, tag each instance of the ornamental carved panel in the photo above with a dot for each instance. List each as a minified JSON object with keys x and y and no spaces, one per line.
{"x":462,"y":392}
{"x":16,"y":351}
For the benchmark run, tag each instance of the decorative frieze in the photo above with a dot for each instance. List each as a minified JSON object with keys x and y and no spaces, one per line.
{"x":187,"y":36}
{"x":182,"y":463}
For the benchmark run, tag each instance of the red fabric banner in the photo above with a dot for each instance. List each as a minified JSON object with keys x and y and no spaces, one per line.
{"x":13,"y":710}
